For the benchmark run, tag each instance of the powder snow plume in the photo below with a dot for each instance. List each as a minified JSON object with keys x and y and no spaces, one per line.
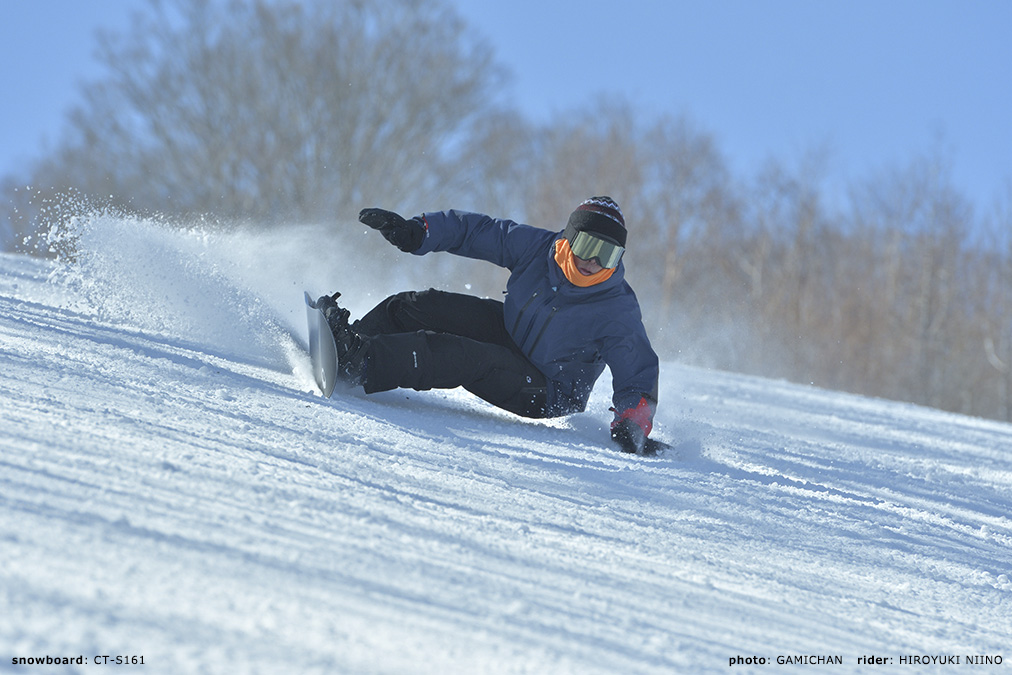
{"x":236,"y":291}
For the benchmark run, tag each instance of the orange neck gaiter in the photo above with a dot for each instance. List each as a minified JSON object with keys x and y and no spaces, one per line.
{"x":564,"y":258}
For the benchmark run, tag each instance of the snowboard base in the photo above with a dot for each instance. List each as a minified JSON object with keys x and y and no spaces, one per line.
{"x":322,"y":348}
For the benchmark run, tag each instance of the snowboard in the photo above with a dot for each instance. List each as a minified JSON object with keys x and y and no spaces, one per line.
{"x":322,"y":348}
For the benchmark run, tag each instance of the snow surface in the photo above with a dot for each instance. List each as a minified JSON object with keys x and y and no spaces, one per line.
{"x":173,"y":487}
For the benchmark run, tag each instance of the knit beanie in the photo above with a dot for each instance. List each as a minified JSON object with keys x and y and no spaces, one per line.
{"x":599,"y":215}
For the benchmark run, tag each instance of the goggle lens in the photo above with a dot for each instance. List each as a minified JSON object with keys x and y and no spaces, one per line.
{"x":587,"y":246}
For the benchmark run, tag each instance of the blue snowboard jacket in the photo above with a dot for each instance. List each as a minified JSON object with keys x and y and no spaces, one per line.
{"x":570,"y":333}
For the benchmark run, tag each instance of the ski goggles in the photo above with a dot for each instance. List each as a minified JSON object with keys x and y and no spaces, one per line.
{"x":590,"y":246}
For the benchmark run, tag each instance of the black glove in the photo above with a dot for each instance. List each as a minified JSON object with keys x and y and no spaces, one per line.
{"x":407,"y":235}
{"x":629,"y":436}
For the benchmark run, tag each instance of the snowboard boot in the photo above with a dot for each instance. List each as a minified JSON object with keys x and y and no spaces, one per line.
{"x":350,"y":345}
{"x":337,"y":317}
{"x":351,"y":359}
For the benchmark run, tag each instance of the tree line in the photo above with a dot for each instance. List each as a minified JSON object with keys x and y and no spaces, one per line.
{"x":278,"y":113}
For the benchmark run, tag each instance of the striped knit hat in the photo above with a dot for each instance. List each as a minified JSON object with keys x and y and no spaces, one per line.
{"x":600,"y":215}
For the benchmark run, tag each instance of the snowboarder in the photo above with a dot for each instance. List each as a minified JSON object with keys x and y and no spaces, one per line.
{"x":568,"y":312}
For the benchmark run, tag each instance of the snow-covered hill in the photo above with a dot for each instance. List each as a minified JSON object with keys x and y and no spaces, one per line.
{"x":172,"y":488}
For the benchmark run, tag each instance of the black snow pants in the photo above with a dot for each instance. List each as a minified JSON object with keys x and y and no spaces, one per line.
{"x":438,"y":340}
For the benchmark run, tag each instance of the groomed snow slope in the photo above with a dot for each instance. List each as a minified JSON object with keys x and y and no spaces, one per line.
{"x":172,"y":487}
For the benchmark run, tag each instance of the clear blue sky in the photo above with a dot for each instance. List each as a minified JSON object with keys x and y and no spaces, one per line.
{"x":874,"y":81}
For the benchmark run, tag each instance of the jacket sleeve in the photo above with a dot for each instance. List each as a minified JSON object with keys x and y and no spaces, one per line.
{"x":474,"y":235}
{"x":635,"y":371}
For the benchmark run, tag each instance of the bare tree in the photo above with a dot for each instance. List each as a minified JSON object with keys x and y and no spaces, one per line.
{"x":789,"y":266}
{"x":916,"y":229}
{"x":277,"y":111}
{"x":687,"y":199}
{"x":591,"y":153}
{"x":995,"y":310}
{"x":496,"y":171}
